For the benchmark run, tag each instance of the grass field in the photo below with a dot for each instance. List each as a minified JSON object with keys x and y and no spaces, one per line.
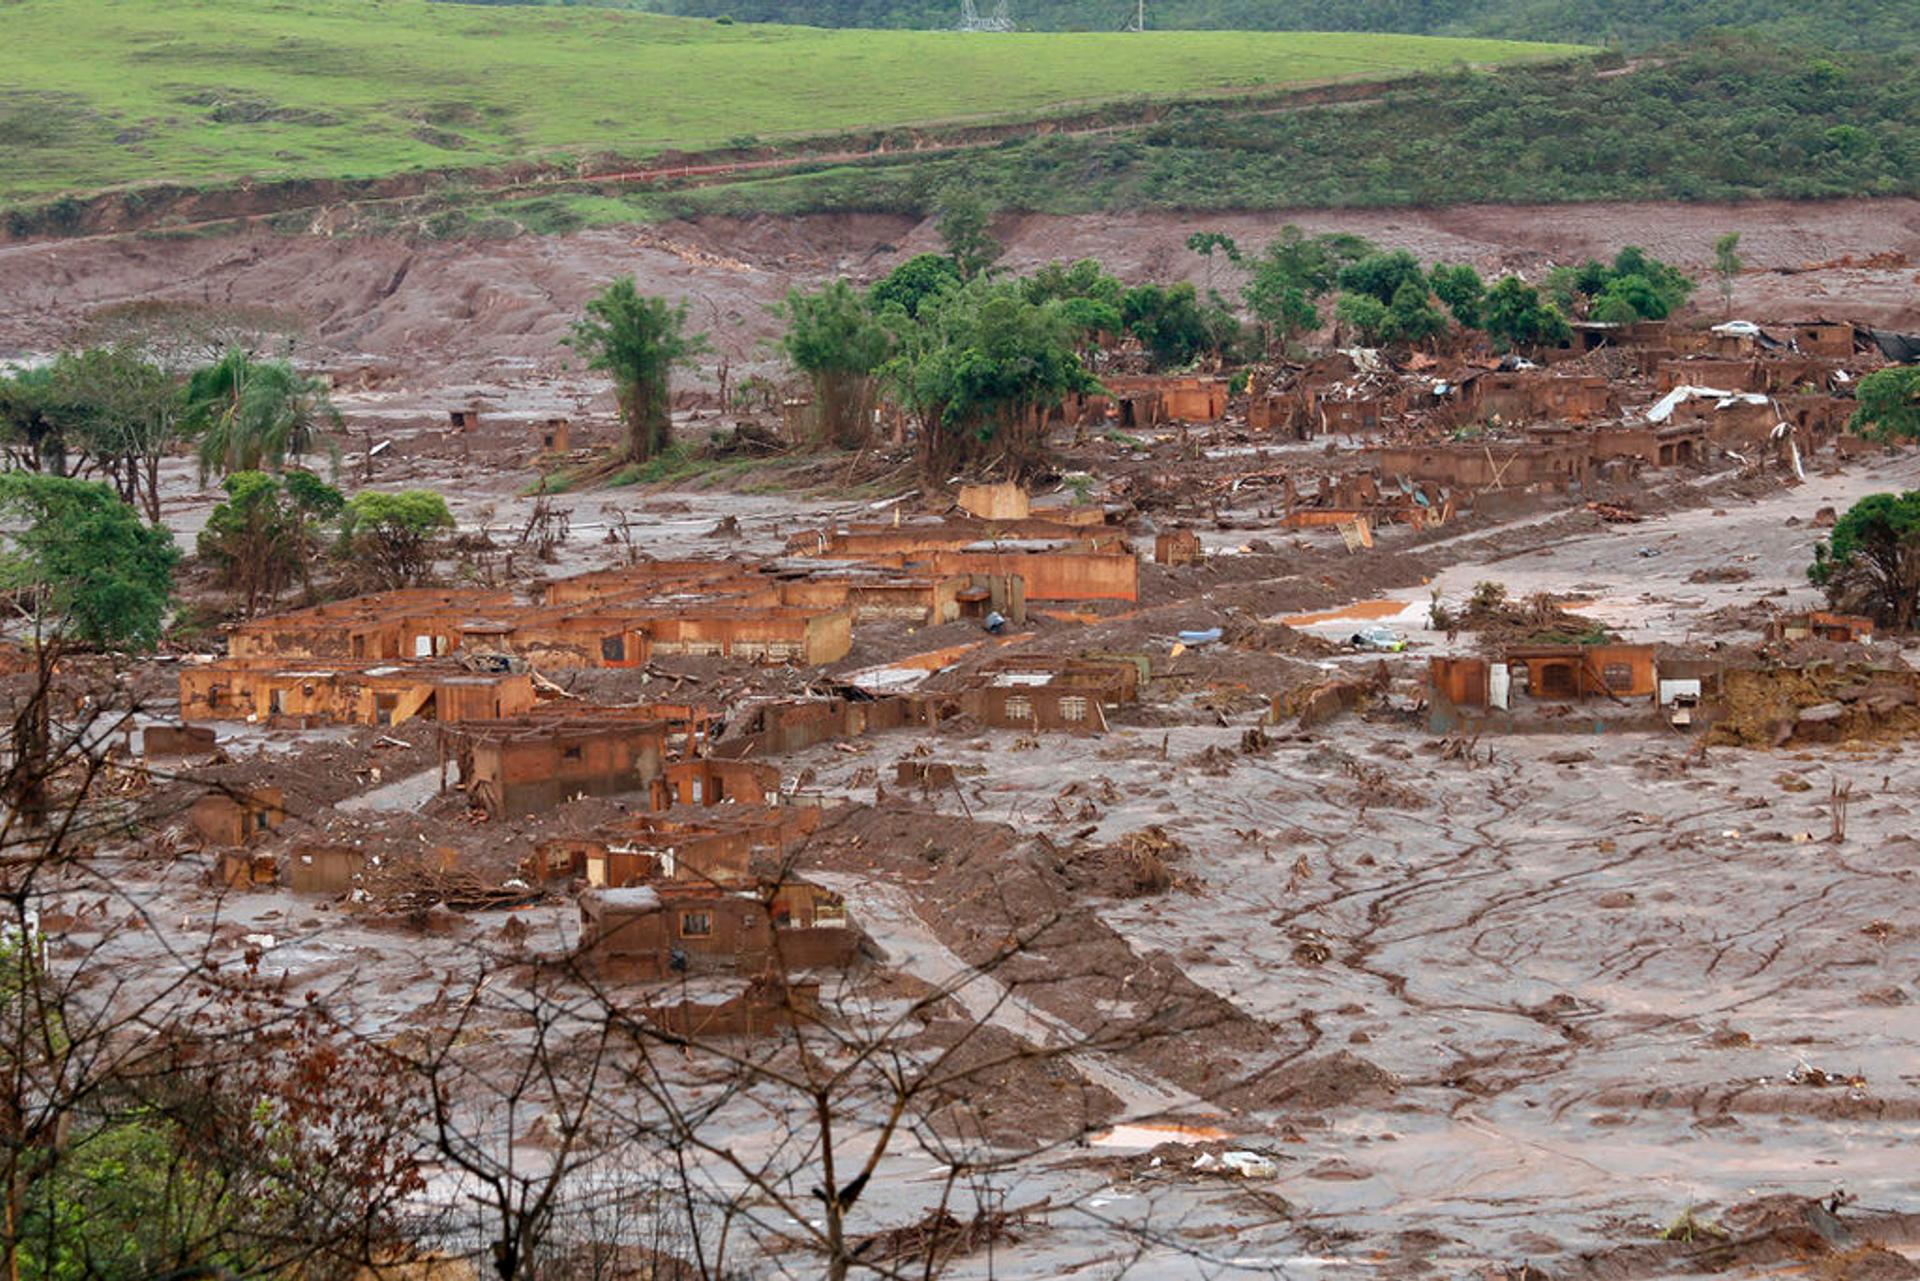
{"x":100,"y":93}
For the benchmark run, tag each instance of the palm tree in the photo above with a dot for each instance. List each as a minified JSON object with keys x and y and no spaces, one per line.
{"x":254,"y":415}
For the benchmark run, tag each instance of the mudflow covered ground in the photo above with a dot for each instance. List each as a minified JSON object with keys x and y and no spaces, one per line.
{"x":436,"y":315}
{"x":1505,"y":1008}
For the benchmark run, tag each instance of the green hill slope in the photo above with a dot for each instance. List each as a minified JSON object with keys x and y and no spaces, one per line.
{"x":1631,"y":24}
{"x":95,"y":93}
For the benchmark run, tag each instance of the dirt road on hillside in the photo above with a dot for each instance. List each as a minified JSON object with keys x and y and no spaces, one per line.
{"x":437,"y":311}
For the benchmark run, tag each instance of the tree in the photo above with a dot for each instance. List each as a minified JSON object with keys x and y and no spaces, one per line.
{"x":175,"y":1116}
{"x":252,"y":415}
{"x":1363,"y":316}
{"x":82,"y":570}
{"x":127,"y":412}
{"x":32,"y":422}
{"x":1871,"y":565}
{"x":1205,"y":242}
{"x":391,"y":537}
{"x":1726,"y":266}
{"x":1291,"y":272}
{"x":966,"y":229}
{"x":1381,"y":275}
{"x":1514,"y":313}
{"x":837,"y":343}
{"x":81,"y":566}
{"x":1085,"y":278}
{"x":268,"y":532}
{"x":909,"y":286}
{"x":1887,"y":404}
{"x":639,"y":342}
{"x":1168,"y":322}
{"x":1412,"y":317}
{"x":1461,"y":289}
{"x":1634,"y":287}
{"x":977,"y":370}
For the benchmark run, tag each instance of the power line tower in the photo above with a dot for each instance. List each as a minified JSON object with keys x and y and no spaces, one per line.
{"x":970,"y":19}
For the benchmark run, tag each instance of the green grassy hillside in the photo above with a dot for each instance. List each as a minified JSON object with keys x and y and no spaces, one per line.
{"x":1631,"y":24}
{"x":96,"y":93}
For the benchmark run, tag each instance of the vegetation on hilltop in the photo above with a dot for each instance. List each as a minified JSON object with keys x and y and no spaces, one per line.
{"x":207,"y":90}
{"x":1630,"y":24}
{"x":1732,"y":120}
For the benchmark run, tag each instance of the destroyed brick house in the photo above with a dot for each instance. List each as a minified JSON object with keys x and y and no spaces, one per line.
{"x":1138,"y":401}
{"x":709,"y":781}
{"x":730,"y":845}
{"x":1054,"y":561}
{"x":1844,"y":629}
{"x":1741,"y":697}
{"x":1488,"y":464}
{"x":232,"y":817}
{"x":1523,"y":396}
{"x":527,"y":764}
{"x":658,"y":931}
{"x":316,"y":692}
{"x":1048,"y":694}
{"x":1537,"y":683}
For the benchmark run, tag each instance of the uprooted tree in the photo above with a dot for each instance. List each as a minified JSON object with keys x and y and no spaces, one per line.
{"x":1871,"y":564}
{"x":638,"y":341}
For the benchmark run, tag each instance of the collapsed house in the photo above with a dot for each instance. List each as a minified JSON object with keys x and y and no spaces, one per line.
{"x":656,"y":931}
{"x":526,"y":764}
{"x":348,"y":693}
{"x":1055,"y":561}
{"x":1073,"y":694}
{"x":234,"y":818}
{"x":730,"y":845}
{"x":1841,"y":691}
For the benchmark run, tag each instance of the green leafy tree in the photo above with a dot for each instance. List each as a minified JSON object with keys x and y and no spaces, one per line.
{"x":1461,"y":289}
{"x":966,"y":229}
{"x":1628,"y":298}
{"x":33,"y":422}
{"x":1727,"y":266}
{"x":392,"y":538}
{"x":1085,"y":278}
{"x":252,"y":415}
{"x":979,"y":369}
{"x":1092,"y":300}
{"x":638,"y":341}
{"x":1412,"y":317}
{"x":268,"y":532}
{"x":1205,"y":243}
{"x":835,"y":340}
{"x":1635,"y":287}
{"x":910,"y":285}
{"x":1092,"y":321}
{"x":80,"y":563}
{"x":1871,"y":565}
{"x":1515,"y":313}
{"x":1169,"y":322}
{"x":1887,"y":404}
{"x":1292,"y":272}
{"x":128,"y":413}
{"x":1381,"y":275}
{"x":1364,"y":317}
